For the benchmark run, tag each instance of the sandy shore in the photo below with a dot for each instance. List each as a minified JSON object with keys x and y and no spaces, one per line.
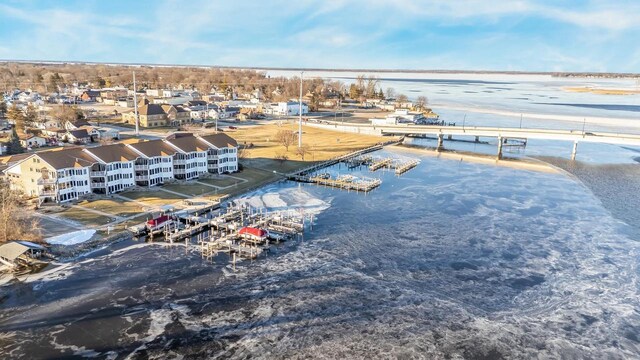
{"x":522,"y":164}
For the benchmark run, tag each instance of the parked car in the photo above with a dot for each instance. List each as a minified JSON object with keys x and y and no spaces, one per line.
{"x":233,"y":128}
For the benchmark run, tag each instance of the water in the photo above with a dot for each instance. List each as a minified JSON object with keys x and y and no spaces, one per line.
{"x":452,"y":259}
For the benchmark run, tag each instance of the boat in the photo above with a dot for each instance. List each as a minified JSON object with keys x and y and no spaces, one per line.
{"x":159,"y":223}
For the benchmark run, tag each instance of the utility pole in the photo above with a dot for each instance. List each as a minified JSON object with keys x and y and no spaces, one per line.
{"x":300,"y":113}
{"x":135,"y":104}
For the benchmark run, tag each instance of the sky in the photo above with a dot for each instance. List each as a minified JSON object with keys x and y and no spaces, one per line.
{"x":517,"y":35}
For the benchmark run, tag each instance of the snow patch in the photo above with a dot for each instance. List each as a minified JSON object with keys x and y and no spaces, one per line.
{"x":71,"y":238}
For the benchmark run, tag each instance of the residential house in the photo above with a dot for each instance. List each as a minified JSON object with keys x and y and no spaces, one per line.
{"x":76,"y":124}
{"x":289,"y":108}
{"x":176,"y":114}
{"x":90,"y":95}
{"x":80,"y":136}
{"x":150,"y":115}
{"x":31,"y":141}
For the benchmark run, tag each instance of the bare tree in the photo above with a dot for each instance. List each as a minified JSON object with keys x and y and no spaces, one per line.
{"x":391,"y":93}
{"x":401,"y":99}
{"x":303,"y":150}
{"x":281,"y":157}
{"x":286,"y":138}
{"x":16,"y":222}
{"x":421,"y":102}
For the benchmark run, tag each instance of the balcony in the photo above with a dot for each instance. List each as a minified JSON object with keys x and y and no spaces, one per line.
{"x":142,"y":178}
{"x":98,"y":173}
{"x":142,"y":167}
{"x":48,"y":193}
{"x":98,"y":184}
{"x":48,"y":181}
{"x":179,"y":162}
{"x":212,"y":157}
{"x":178,"y":171}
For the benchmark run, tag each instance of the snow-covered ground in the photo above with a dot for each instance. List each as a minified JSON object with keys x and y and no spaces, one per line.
{"x":71,"y":238}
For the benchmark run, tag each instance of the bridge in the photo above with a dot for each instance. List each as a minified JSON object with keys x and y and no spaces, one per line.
{"x":502,"y":134}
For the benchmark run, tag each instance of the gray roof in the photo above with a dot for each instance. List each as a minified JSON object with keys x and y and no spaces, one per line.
{"x":14,"y":249}
{"x":113,"y":153}
{"x":68,"y":158}
{"x":79,"y":133}
{"x":186,"y":142}
{"x":220,"y":140}
{"x":154,"y":148}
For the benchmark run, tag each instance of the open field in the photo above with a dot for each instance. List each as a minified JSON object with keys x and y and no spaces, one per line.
{"x":220,"y":182}
{"x":154,"y":197}
{"x":323,"y":145}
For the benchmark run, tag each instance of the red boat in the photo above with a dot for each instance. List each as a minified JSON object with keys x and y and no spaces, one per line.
{"x":253,"y":233}
{"x":159,"y":223}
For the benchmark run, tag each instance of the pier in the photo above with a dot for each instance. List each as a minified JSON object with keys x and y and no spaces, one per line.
{"x":344,"y":182}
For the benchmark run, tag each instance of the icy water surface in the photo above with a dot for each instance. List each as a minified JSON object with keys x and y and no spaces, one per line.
{"x":451,"y":260}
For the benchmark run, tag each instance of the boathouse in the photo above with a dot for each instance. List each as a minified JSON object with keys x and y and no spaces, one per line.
{"x":253,"y":233}
{"x":15,"y":253}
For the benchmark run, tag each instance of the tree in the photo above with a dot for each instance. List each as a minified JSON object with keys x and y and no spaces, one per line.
{"x":401,"y":99}
{"x":303,"y":150}
{"x":354,"y":92}
{"x":17,"y":116}
{"x":31,"y":115}
{"x":15,"y":222}
{"x":391,"y":93}
{"x":281,"y":157}
{"x":286,"y":138}
{"x":421,"y":102}
{"x":66,"y":113}
{"x":14,"y":146}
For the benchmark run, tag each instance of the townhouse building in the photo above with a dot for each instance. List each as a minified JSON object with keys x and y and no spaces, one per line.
{"x":65,"y":175}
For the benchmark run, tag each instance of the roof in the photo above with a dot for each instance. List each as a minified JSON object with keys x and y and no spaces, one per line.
{"x":14,"y":249}
{"x":153,"y":148}
{"x":79,"y":123}
{"x":188,"y":143}
{"x":253,"y":231}
{"x":92,"y":93}
{"x":113,"y":153}
{"x":147,"y":108}
{"x":220,"y":140}
{"x":68,"y":158}
{"x":79,"y":133}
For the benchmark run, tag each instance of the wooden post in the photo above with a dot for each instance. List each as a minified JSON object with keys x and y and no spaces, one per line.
{"x":440,"y":146}
{"x":574,"y":151}
{"x":499,"y":147}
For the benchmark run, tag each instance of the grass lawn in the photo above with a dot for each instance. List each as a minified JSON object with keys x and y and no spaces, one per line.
{"x":153,"y":198}
{"x":85,"y":217}
{"x":221,"y":182}
{"x":189,"y":189}
{"x":323,"y":144}
{"x":112,"y":206}
{"x":254,"y":177}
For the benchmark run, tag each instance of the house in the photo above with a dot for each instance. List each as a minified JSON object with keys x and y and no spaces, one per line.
{"x":176,"y":114}
{"x":80,"y":136}
{"x":31,"y":141}
{"x":54,"y":133}
{"x":289,"y":108}
{"x":150,"y":115}
{"x":125,"y":102}
{"x":113,"y":169}
{"x":89,"y":95}
{"x":92,"y":131}
{"x":76,"y":124}
{"x":108,"y":133}
{"x":15,"y":253}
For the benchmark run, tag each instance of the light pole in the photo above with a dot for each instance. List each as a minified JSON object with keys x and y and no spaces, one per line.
{"x":520,"y":121}
{"x":300,"y":113}
{"x":135,"y":104}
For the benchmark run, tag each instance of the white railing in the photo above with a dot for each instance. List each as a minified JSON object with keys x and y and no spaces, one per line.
{"x":98,"y":173}
{"x":98,"y":184}
{"x":142,"y":177}
{"x":141,"y":167}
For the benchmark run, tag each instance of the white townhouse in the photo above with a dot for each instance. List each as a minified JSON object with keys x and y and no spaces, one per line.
{"x":65,"y":175}
{"x":155,"y":164}
{"x":56,"y":176}
{"x":222,"y":156}
{"x":190,"y":160}
{"x":114,"y":168}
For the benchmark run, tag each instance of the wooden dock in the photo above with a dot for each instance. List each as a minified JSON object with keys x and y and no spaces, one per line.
{"x":379,"y":164}
{"x":349,"y":184}
{"x":404,"y":167}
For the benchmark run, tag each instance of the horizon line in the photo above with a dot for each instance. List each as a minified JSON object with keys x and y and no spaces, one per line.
{"x":433,"y":71}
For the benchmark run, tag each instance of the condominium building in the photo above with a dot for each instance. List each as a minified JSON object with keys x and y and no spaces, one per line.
{"x":65,"y":175}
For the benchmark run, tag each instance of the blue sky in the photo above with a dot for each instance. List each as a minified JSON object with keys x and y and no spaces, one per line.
{"x":535,"y":35}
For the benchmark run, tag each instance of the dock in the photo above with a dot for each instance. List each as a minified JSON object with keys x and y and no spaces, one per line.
{"x":349,"y":183}
{"x":379,"y":164}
